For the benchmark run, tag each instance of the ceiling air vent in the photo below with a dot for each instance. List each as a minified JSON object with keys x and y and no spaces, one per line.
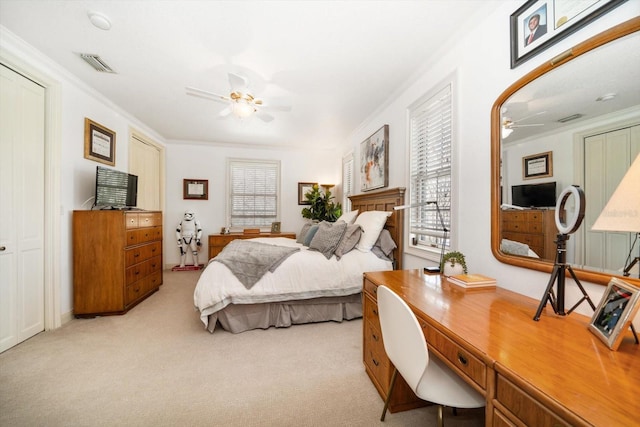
{"x":96,"y":62}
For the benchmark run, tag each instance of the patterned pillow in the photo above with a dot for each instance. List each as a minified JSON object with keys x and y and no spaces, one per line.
{"x":327,"y":238}
{"x":349,"y":240}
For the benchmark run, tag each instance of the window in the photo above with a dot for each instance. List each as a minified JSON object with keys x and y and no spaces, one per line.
{"x":347,"y":181}
{"x":254,"y":190}
{"x":430,"y":136}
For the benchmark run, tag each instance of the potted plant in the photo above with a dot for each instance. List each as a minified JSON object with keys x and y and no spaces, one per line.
{"x":453,"y":263}
{"x":321,"y":205}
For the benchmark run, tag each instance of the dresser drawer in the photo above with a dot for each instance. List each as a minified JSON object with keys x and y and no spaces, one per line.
{"x":524,"y":407}
{"x":149,"y":219}
{"x":143,"y":235}
{"x":140,"y":253}
{"x":131,"y":220}
{"x":472,"y":367}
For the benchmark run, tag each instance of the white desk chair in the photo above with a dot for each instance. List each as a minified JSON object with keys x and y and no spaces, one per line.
{"x":405,"y":344}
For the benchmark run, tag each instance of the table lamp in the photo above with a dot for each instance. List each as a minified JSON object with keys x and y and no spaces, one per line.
{"x":622,"y":212}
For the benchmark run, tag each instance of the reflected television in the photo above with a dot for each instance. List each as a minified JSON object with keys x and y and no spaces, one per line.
{"x":534,"y":195}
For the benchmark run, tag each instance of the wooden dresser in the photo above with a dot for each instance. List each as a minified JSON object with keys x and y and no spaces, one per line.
{"x":553,"y":372}
{"x":217,"y":242}
{"x":117,"y":260}
{"x":534,"y":227}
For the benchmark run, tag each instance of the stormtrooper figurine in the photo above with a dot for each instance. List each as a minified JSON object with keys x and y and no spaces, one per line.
{"x":188,"y":234}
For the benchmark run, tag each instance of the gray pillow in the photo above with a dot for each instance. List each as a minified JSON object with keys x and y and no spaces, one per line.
{"x":384,"y":246}
{"x":327,"y":238}
{"x":303,"y":232}
{"x":349,"y":240}
{"x":308,"y":237}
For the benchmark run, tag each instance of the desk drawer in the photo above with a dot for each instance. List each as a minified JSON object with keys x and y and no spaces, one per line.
{"x":523,"y":406}
{"x":374,"y":356}
{"x":461,"y":359}
{"x":371,"y":289}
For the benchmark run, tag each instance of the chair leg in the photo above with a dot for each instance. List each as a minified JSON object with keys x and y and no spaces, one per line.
{"x":391,"y":386}
{"x":440,"y":420}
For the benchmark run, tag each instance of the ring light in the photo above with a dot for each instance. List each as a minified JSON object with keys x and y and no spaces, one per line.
{"x":574,"y":219}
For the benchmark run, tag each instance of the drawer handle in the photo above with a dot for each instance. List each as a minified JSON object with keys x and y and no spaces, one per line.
{"x":136,"y":255}
{"x":463,"y":360}
{"x":375,"y":311}
{"x":137,"y":272}
{"x":375,"y":291}
{"x":375,"y":362}
{"x":375,"y":337}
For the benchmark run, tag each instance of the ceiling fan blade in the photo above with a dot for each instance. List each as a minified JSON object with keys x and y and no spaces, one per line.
{"x":529,"y":116}
{"x":514,"y":126}
{"x":264,"y":116}
{"x":225,"y":112}
{"x":207,"y":95}
{"x":237,"y":82}
{"x":285,"y":108}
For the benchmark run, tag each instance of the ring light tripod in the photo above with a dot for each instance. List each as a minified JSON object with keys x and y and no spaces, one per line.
{"x":560,"y":266}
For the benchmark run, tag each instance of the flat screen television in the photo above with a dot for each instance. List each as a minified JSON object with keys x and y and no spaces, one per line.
{"x":534,"y":195}
{"x":115,"y":189}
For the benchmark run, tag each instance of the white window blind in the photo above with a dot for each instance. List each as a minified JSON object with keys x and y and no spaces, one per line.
{"x":430,"y":168}
{"x":253,"y":193}
{"x":347,"y":181}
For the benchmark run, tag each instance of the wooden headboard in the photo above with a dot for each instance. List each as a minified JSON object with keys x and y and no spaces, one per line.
{"x":385,"y":200}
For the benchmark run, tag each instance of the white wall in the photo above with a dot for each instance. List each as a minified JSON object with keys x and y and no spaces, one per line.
{"x":188,"y":161}
{"x":481,"y":64}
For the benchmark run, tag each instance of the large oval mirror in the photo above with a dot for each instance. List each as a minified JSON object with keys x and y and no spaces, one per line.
{"x":572,"y":121}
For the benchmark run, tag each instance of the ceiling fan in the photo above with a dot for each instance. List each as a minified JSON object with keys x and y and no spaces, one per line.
{"x":509,"y":125}
{"x":240,"y":101}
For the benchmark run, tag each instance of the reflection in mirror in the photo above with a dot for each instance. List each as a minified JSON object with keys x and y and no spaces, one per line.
{"x":572,"y":121}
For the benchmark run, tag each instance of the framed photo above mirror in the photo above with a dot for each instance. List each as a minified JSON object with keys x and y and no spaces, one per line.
{"x":615,"y":313}
{"x":539,"y":24}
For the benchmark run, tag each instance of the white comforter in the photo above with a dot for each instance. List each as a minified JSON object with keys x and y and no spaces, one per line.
{"x":305,"y":274}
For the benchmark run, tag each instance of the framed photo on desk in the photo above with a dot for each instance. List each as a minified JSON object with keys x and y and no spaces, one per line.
{"x":615,"y":312}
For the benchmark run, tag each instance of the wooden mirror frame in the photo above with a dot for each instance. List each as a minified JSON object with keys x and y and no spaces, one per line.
{"x":601,"y":39}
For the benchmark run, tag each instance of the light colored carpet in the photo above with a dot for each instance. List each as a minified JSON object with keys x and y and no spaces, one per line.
{"x":157,"y":365}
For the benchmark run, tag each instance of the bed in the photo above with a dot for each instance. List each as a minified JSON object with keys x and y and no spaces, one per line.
{"x":293,"y":293}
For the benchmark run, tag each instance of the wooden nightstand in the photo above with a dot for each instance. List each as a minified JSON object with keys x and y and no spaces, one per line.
{"x":218,"y":241}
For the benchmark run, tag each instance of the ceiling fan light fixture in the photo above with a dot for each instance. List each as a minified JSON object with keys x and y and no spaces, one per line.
{"x":242,"y":109}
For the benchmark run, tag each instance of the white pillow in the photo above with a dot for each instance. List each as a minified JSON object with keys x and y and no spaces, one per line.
{"x":349,"y":217}
{"x":372,"y":223}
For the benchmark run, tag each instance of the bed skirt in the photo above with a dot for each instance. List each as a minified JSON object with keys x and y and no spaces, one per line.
{"x":241,"y":318}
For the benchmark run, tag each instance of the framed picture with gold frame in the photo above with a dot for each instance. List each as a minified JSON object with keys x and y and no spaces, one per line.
{"x":275,"y":227}
{"x":538,"y":166}
{"x":99,"y":143}
{"x":617,"y":308}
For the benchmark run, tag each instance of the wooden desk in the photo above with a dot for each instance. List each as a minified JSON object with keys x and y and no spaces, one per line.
{"x":546,"y":373}
{"x":217,"y":242}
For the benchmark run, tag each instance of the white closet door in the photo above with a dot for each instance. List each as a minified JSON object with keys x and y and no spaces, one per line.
{"x":607,"y":158}
{"x":145,"y":161}
{"x":21,"y":208}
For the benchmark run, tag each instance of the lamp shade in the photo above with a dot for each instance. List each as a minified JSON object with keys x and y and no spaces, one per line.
{"x":622,"y":212}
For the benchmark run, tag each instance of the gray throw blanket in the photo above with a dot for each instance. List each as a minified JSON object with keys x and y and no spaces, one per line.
{"x":249,"y":261}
